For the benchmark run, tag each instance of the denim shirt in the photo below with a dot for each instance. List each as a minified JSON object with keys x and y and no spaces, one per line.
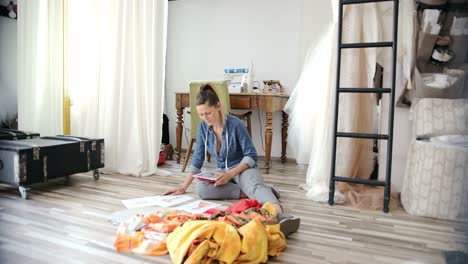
{"x":240,"y":146}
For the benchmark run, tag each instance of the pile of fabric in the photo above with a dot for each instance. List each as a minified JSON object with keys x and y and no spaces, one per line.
{"x":228,"y":236}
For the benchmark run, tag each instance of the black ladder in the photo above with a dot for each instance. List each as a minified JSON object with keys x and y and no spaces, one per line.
{"x":391,"y":91}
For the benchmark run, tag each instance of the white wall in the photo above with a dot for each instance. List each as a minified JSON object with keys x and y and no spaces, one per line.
{"x":206,"y":36}
{"x":8,"y":64}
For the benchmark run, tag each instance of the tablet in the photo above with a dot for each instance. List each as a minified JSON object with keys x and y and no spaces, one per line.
{"x":209,"y":176}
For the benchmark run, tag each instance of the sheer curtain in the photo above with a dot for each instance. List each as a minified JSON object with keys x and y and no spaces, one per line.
{"x":40,"y":71}
{"x":310,"y":121}
{"x":116,"y":62}
{"x":307,"y":104}
{"x":319,"y":162}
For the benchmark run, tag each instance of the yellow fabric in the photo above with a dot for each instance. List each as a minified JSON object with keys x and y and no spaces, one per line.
{"x":276,"y":240}
{"x":270,"y":208}
{"x":254,"y":243}
{"x":205,"y":241}
{"x":221,"y":89}
{"x":220,"y":242}
{"x":204,"y":253}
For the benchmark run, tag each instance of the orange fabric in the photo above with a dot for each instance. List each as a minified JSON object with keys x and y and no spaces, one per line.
{"x":147,"y":234}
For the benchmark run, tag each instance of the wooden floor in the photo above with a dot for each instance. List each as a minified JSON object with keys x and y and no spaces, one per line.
{"x":66,"y":222}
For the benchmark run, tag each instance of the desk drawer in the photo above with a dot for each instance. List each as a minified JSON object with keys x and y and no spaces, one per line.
{"x":240,"y":102}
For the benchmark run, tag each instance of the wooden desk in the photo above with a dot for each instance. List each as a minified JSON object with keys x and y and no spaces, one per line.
{"x":268,"y":103}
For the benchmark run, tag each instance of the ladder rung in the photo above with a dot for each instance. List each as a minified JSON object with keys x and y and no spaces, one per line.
{"x":361,"y":135}
{"x":350,"y":2}
{"x":360,"y":181}
{"x":364,"y":90}
{"x":366,"y":45}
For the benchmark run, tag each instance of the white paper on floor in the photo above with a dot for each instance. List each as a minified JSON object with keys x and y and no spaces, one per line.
{"x":159,"y":200}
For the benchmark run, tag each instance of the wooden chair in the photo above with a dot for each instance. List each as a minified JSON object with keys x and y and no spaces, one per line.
{"x":221,"y":88}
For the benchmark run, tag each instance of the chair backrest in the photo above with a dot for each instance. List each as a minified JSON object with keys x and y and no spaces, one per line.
{"x":221,"y":89}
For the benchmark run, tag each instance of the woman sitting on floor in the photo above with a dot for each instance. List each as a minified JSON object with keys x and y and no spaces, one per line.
{"x":226,"y":138}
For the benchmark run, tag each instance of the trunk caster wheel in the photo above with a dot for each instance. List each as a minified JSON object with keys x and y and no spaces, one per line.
{"x":96,"y":175}
{"x":24,"y":192}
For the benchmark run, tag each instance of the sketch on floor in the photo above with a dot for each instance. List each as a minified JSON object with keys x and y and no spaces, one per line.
{"x":160,"y":200}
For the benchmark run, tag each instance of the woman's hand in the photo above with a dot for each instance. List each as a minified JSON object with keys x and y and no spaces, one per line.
{"x":183,"y":188}
{"x":175,"y":191}
{"x":223,"y":178}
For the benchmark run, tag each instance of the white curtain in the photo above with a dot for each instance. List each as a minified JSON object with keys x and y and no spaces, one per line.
{"x":304,"y":114}
{"x":311,"y":105}
{"x":40,"y":71}
{"x":321,"y":63}
{"x":116,"y":67}
{"x":311,"y":122}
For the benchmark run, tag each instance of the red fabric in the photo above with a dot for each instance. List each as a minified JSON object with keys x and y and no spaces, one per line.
{"x":213,"y":211}
{"x":243,"y":205}
{"x":162,"y":157}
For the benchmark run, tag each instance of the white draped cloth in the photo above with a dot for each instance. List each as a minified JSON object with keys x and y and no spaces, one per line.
{"x":311,"y":105}
{"x":309,"y":108}
{"x":116,"y":69}
{"x":40,"y":66}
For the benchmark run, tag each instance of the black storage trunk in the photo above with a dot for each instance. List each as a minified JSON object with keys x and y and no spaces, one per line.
{"x":6,"y":136}
{"x":83,"y":147}
{"x":29,"y":161}
{"x":13,"y":134}
{"x":56,"y":158}
{"x":96,"y":147}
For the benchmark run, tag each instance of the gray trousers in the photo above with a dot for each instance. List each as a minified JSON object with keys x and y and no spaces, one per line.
{"x":249,"y":181}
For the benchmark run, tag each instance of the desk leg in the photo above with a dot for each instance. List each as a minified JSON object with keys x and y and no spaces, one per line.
{"x":284,"y":137}
{"x":180,"y":122}
{"x":268,"y":139}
